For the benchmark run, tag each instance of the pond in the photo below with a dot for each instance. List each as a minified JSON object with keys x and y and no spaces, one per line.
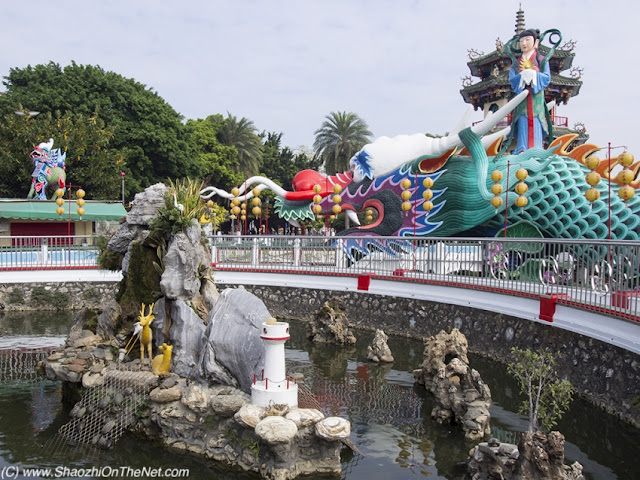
{"x":390,"y":417}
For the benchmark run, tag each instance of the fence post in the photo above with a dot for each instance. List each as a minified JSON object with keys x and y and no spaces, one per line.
{"x":296,"y":252}
{"x":255,"y":252}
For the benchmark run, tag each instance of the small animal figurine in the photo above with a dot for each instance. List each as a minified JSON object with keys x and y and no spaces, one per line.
{"x":162,"y":363}
{"x":146,"y":335}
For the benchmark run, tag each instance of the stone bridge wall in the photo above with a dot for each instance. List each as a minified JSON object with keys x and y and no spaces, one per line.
{"x":56,"y":295}
{"x":607,"y":375}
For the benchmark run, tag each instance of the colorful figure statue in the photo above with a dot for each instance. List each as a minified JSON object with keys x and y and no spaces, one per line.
{"x":530,"y":72}
{"x":49,"y":168}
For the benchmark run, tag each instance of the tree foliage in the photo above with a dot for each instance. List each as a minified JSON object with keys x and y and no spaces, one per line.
{"x":90,"y":161}
{"x":146,"y":130}
{"x":548,"y":397}
{"x":340,"y":137}
{"x":217,"y":163}
{"x":281,"y":164}
{"x":241,"y":135}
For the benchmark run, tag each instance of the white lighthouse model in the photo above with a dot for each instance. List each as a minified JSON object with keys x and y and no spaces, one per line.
{"x":272,"y":386}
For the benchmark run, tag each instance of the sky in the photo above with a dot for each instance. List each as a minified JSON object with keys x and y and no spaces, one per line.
{"x":286,"y":64}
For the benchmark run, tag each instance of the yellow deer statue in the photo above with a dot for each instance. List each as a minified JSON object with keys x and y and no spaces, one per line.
{"x":146,"y":335}
{"x":162,"y":363}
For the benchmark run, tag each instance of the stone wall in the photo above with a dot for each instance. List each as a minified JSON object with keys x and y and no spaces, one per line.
{"x":607,"y":375}
{"x":56,"y":295}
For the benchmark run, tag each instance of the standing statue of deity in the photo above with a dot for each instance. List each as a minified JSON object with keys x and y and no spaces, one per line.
{"x":530,"y":72}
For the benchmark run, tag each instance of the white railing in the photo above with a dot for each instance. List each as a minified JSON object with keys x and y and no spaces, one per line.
{"x":48,"y":252}
{"x":598,"y":275}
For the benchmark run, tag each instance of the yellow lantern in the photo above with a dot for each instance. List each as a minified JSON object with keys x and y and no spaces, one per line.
{"x":317,"y":188}
{"x":243,"y":217}
{"x":256,"y":201}
{"x":521,"y":201}
{"x":406,"y":195}
{"x":625,"y":176}
{"x":496,"y":189}
{"x":336,"y":209}
{"x":80,"y":202}
{"x":59,"y":210}
{"x":406,"y":183}
{"x":337,"y":188}
{"x":337,"y":198}
{"x":80,"y":193}
{"x":59,"y":192}
{"x":60,"y":201}
{"x":368,"y":218}
{"x":521,"y":174}
{"x":521,"y":188}
{"x":427,"y":182}
{"x":332,"y":217}
{"x":626,"y":192}
{"x":243,"y":206}
{"x":406,"y":206}
{"x":496,"y":202}
{"x":317,"y":208}
{"x":625,"y":159}
{"x":496,"y":176}
{"x":256,"y":210}
{"x":210,"y":203}
{"x":317,"y":199}
{"x":593,"y":178}
{"x":592,"y":194}
{"x":235,"y":191}
{"x":368,"y":212}
{"x":592,"y":162}
{"x":235,"y":201}
{"x":80,"y":211}
{"x":255,"y":191}
{"x":427,"y":194}
{"x":428,"y":205}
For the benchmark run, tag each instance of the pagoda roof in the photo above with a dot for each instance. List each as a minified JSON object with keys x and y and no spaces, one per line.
{"x":562,"y":57}
{"x":561,"y":89}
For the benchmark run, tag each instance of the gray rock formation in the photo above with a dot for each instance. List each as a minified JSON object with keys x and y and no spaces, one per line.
{"x":233,"y":337}
{"x":186,"y":333}
{"x":379,"y":351}
{"x":330,"y":325}
{"x":186,"y":260}
{"x":145,"y":208}
{"x":161,"y":323}
{"x":537,"y":456}
{"x":107,"y":320}
{"x":461,"y":395}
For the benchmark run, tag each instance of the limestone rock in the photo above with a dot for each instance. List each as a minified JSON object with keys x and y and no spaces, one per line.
{"x":379,"y":351}
{"x":196,"y":398}
{"x":146,"y":204}
{"x":542,"y":457}
{"x":183,"y":263}
{"x":333,"y":428}
{"x":228,"y":405}
{"x":161,"y":323}
{"x":330,"y":325}
{"x":303,"y":417}
{"x":249,"y":415}
{"x":460,"y":394}
{"x":107,"y":320}
{"x":275,"y":430}
{"x":186,"y":334}
{"x":233,"y":337}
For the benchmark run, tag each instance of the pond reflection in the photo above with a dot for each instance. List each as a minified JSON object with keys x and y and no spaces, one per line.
{"x":391,"y":418}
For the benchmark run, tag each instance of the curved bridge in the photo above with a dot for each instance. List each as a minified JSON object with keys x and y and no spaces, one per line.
{"x":587,"y":287}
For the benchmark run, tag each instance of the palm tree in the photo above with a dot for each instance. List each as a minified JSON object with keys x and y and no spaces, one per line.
{"x":341,"y":135}
{"x":241,"y":134}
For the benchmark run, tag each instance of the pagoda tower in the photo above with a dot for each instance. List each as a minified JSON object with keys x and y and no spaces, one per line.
{"x":494,"y":90}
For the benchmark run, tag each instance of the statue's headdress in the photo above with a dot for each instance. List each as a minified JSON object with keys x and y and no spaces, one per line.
{"x":531,"y":32}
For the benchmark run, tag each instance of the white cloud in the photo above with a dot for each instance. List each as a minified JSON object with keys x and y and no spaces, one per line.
{"x":286,"y":64}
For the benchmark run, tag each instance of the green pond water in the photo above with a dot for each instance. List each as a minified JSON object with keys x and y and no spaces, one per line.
{"x":390,"y":417}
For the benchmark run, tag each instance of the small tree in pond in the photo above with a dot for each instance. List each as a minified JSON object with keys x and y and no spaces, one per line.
{"x":548,"y":397}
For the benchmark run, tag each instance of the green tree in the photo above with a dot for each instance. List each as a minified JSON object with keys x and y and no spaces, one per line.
{"x":146,"y":129}
{"x":340,"y":137}
{"x":86,"y":140}
{"x":241,"y":135}
{"x":548,"y":397}
{"x":217,"y":163}
{"x":281,"y":164}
